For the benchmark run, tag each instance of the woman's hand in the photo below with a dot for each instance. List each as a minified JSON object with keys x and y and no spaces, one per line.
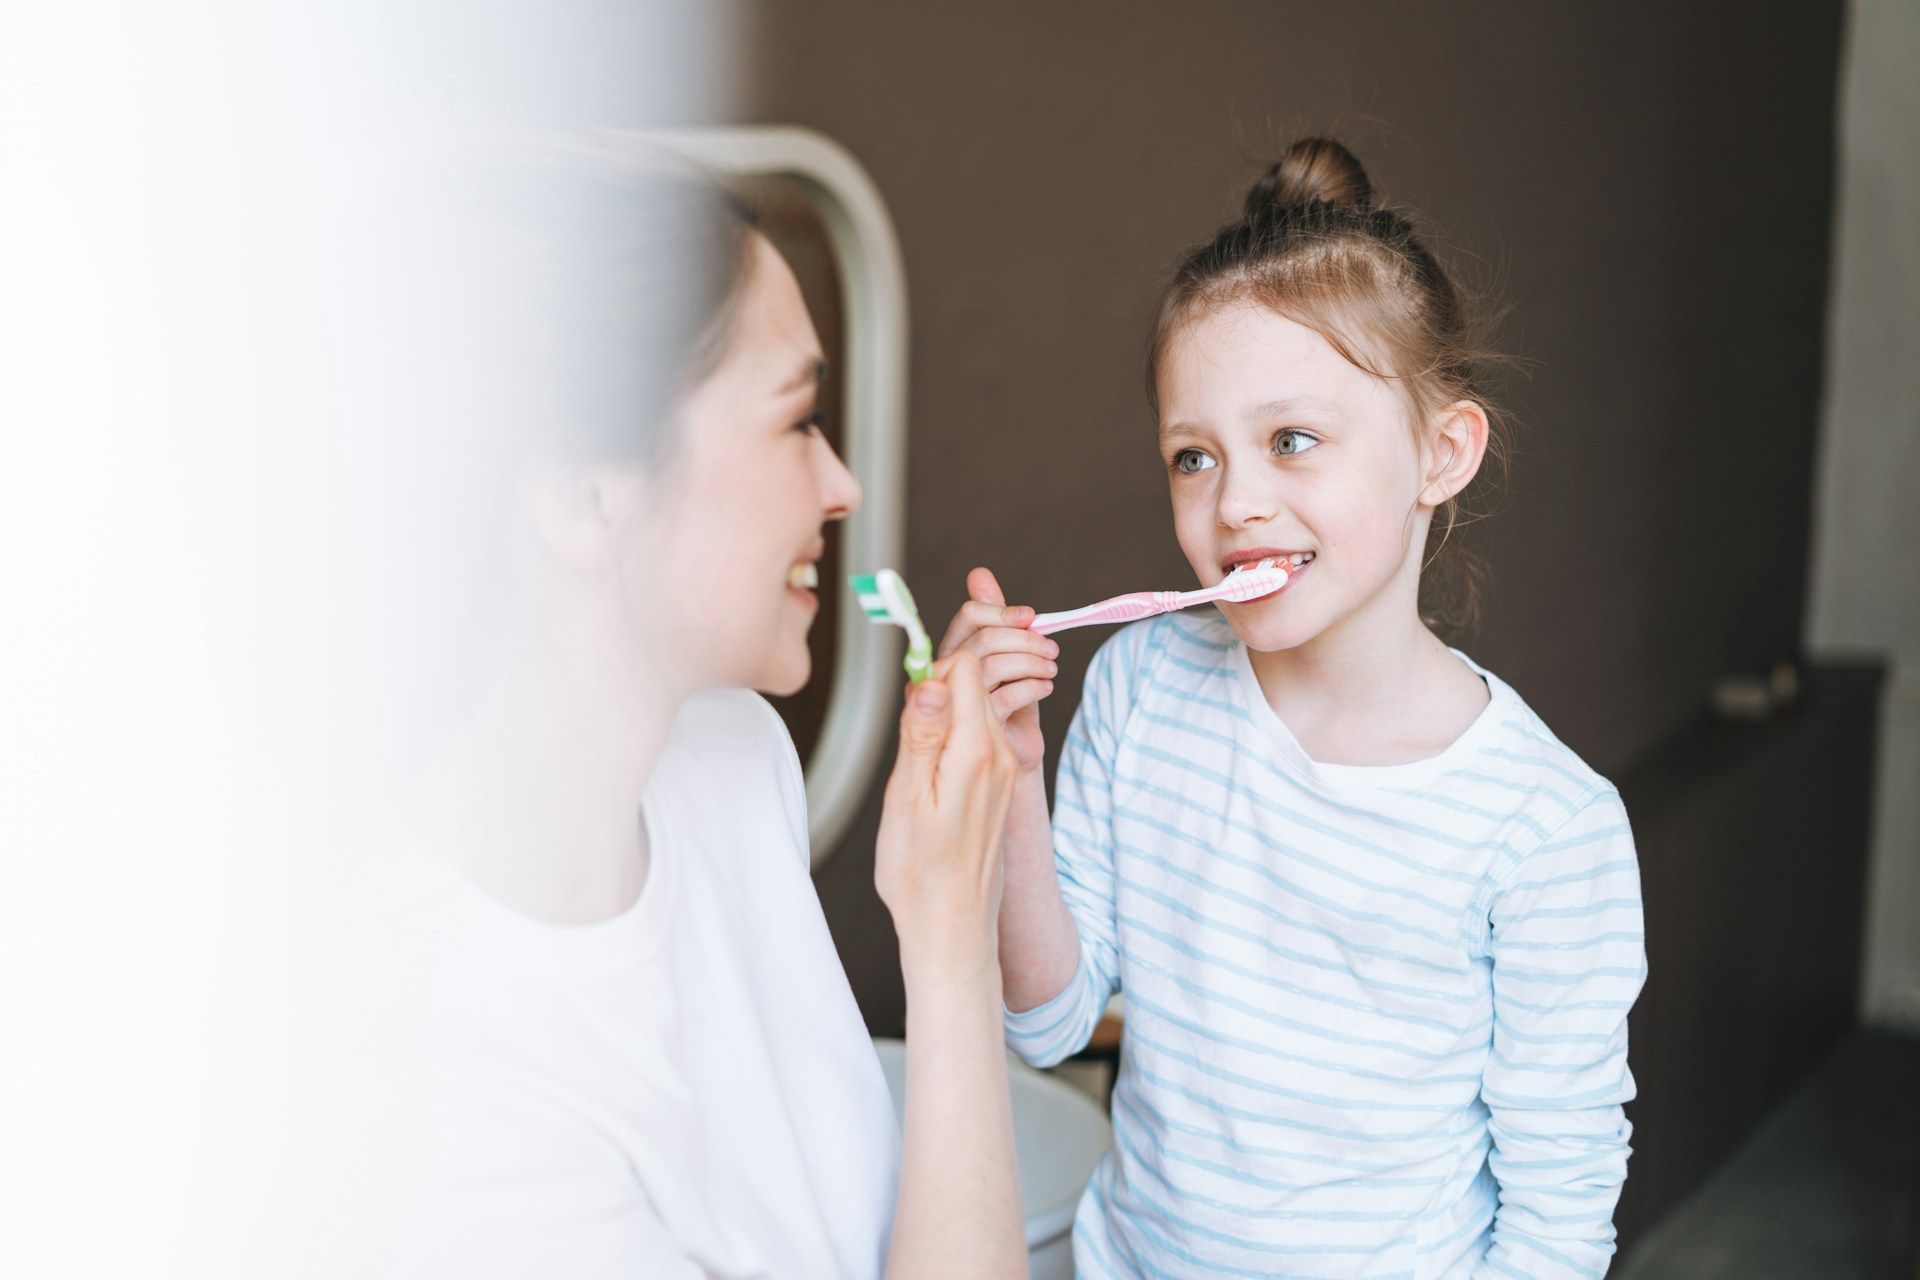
{"x":1016,"y":664}
{"x":938,"y":870}
{"x":937,"y":864}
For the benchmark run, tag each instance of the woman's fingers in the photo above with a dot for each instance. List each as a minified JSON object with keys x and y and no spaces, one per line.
{"x":976,"y":745}
{"x":925,"y":723}
{"x":970,"y":719}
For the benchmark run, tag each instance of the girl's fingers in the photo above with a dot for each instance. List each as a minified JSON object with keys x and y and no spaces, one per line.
{"x":1005,"y":668}
{"x":991,"y":640}
{"x":1019,"y":695}
{"x":982,"y":585}
{"x":975,"y":615}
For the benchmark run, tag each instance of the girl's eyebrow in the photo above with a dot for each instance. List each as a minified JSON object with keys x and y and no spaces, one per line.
{"x":1255,"y":413}
{"x":1286,"y":405}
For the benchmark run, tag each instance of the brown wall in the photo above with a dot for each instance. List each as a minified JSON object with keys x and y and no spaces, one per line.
{"x":1648,"y":189}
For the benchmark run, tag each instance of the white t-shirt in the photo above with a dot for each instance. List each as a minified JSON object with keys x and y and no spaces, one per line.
{"x":687,"y":1090}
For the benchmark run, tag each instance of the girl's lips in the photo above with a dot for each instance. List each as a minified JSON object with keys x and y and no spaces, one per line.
{"x":1293,"y":575}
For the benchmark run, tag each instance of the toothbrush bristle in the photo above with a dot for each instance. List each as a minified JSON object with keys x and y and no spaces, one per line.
{"x":1255,"y":580}
{"x":885,"y":598}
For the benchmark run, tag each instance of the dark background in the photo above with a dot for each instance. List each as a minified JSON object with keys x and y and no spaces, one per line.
{"x":1647,"y":187}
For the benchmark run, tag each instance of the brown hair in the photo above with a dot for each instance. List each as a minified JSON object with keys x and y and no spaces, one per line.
{"x":645,"y":262}
{"x":1316,"y":246}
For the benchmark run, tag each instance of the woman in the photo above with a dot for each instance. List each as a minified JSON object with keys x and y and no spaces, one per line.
{"x":647,"y":1060}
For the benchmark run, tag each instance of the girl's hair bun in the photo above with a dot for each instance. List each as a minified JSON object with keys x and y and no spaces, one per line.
{"x":1312,"y":171}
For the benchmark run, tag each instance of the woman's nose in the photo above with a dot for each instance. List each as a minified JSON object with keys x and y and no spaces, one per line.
{"x":838,"y":489}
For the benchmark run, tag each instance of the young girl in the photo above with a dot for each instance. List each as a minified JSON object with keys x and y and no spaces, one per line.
{"x":1377,"y":929}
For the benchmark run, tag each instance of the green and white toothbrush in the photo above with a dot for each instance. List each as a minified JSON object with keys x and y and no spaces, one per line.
{"x":886,"y":599}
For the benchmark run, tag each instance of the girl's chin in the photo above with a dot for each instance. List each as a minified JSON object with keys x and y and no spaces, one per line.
{"x":1272,"y":635}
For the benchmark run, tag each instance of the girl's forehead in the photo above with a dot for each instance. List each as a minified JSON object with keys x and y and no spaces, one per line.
{"x":1233,"y":359}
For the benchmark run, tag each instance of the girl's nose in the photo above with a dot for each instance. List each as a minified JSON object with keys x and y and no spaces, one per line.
{"x":838,"y":489}
{"x":1244,"y":501}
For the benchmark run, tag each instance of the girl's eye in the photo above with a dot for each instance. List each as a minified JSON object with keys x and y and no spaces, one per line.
{"x":1190,"y":461}
{"x":1289,"y":443}
{"x":811,"y":423}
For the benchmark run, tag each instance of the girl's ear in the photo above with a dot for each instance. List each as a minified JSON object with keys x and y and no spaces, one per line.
{"x":1457,"y":444}
{"x":578,"y":512}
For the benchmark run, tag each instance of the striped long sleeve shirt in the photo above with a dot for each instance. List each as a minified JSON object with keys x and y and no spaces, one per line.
{"x":1376,"y":1017}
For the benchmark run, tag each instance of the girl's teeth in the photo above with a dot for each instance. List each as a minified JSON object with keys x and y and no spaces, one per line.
{"x":805,"y":576}
{"x":1293,"y":561}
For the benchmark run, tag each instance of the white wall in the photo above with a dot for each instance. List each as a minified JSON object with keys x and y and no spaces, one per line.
{"x":1866,"y":559}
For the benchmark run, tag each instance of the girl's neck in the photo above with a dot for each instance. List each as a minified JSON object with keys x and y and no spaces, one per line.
{"x":1377,"y":690}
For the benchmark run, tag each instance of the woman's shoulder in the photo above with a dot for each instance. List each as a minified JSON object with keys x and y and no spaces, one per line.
{"x":730,"y":720}
{"x":730,"y":753}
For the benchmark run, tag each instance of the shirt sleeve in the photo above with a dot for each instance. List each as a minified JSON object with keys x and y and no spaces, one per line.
{"x":1083,"y":854}
{"x":1568,"y":950}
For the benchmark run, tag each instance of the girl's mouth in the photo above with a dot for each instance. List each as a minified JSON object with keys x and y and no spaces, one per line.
{"x":1295,"y":563}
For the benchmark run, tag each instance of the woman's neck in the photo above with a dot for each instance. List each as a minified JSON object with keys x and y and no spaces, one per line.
{"x":538,"y":799}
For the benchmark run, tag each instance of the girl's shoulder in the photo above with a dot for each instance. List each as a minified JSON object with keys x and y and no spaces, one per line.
{"x":1172,"y":650}
{"x":1522,"y":756}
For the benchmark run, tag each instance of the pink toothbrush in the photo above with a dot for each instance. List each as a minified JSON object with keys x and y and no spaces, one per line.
{"x":1238,"y":586}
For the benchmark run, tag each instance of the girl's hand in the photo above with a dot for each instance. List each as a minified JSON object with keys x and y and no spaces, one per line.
{"x":1016,"y":664}
{"x":937,"y":863}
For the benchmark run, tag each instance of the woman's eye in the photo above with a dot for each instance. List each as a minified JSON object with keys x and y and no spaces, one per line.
{"x":1189,"y":461}
{"x":1289,"y":443}
{"x":811,"y":423}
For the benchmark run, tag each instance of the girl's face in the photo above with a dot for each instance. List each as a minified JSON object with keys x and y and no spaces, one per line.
{"x":1276,"y":445}
{"x":743,"y":505}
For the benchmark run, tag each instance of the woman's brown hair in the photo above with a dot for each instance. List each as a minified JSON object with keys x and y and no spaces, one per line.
{"x":1316,"y":245}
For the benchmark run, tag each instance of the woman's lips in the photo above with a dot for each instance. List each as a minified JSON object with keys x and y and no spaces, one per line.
{"x":802,"y":578}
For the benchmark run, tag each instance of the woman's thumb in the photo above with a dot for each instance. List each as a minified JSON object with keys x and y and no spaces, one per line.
{"x":924,"y":723}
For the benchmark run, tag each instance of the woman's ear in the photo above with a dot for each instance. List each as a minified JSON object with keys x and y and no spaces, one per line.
{"x":1457,"y":444}
{"x":578,"y":512}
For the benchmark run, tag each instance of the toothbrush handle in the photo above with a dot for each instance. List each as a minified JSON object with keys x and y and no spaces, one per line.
{"x":1127,"y":608}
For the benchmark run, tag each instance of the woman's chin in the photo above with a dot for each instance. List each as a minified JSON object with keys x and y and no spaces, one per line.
{"x":786,"y":673}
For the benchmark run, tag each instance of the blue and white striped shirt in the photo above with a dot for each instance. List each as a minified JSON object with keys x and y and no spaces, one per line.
{"x":1376,"y":1017}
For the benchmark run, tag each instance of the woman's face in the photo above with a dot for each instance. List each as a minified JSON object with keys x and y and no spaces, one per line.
{"x":730,"y":554}
{"x":1276,"y":445}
